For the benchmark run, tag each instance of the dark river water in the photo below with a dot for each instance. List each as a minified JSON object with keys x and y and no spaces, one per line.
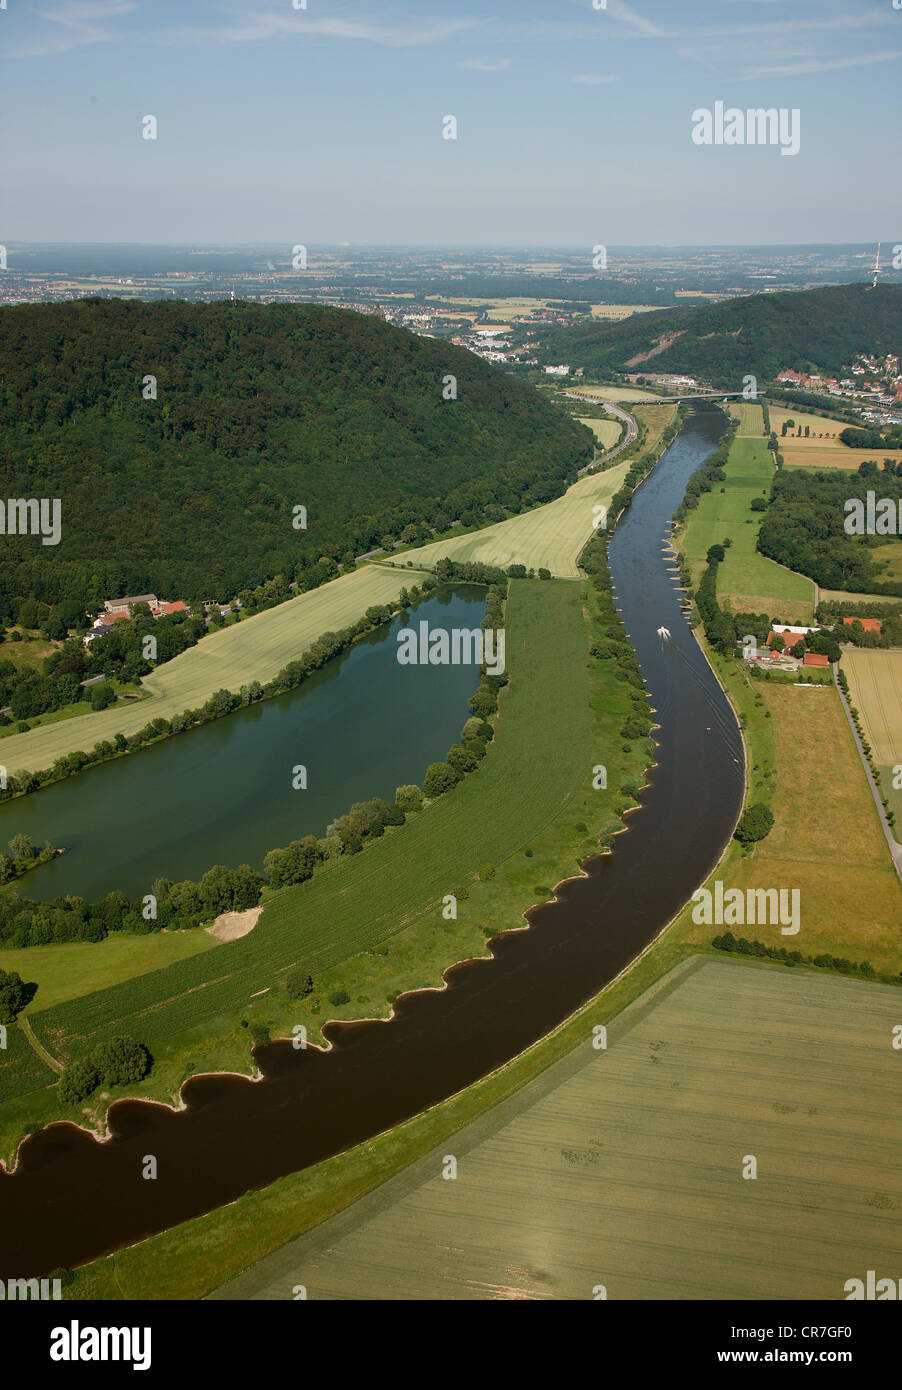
{"x":223,"y":794}
{"x":72,"y":1198}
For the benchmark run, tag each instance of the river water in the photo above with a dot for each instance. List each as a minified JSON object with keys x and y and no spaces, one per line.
{"x":72,"y":1198}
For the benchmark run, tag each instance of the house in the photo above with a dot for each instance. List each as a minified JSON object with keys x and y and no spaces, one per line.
{"x":122,"y":605}
{"x":177,"y":606}
{"x":815,"y":659}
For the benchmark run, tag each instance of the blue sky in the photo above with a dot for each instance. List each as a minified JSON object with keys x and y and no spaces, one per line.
{"x":324,"y":124}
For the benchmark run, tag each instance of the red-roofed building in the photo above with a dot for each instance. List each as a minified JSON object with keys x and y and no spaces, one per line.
{"x":177,"y":606}
{"x":869,"y":624}
{"x":815,"y":659}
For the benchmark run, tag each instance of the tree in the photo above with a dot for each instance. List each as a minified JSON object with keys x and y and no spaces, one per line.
{"x":440,"y":777}
{"x":120,"y":1060}
{"x":755,"y":824}
{"x":14,"y":995}
{"x":716,"y":554}
{"x":298,"y":984}
{"x":102,"y":695}
{"x":409,"y":797}
{"x":80,"y":1078}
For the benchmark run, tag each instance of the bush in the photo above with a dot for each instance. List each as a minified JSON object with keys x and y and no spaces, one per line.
{"x":339,"y":997}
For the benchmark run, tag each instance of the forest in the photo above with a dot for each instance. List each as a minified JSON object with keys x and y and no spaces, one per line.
{"x":183,"y":440}
{"x":803,"y":528}
{"x":757,"y":334}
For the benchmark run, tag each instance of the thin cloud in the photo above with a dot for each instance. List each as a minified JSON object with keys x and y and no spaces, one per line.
{"x":486,"y":65}
{"x":594,"y":79}
{"x":801,"y":67}
{"x":78,"y":22}
{"x":302,"y":25}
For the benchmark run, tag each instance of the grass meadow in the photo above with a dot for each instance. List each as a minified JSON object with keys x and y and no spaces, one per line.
{"x":746,"y":580}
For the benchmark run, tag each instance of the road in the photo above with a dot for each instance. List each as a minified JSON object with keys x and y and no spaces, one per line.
{"x":632,"y":431}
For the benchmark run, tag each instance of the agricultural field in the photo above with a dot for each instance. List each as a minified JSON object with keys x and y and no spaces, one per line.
{"x":621,"y":311}
{"x":750,"y":417}
{"x":607,"y":432}
{"x":821,"y":449}
{"x":64,"y":971}
{"x":841,"y":596}
{"x":622,"y":1168}
{"x":551,"y":535}
{"x":818,"y":425}
{"x":875,"y":684}
{"x":255,"y":649}
{"x":746,"y":580}
{"x":799,"y":454}
{"x":612,"y":393}
{"x":824,"y":817}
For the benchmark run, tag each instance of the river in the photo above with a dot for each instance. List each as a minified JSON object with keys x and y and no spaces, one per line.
{"x":72,"y":1198}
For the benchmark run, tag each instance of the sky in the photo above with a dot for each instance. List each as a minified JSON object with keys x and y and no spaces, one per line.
{"x":325,"y":123}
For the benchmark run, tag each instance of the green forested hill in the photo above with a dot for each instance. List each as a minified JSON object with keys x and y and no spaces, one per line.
{"x":259,"y":409}
{"x":755,"y":334}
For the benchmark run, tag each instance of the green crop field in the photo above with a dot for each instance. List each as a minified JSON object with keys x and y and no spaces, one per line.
{"x":750,"y":417}
{"x":79,"y":967}
{"x":607,"y":432}
{"x":537,"y":763}
{"x":255,"y":649}
{"x":551,"y":535}
{"x":875,"y":684}
{"x":749,"y":581}
{"x":623,"y":1168}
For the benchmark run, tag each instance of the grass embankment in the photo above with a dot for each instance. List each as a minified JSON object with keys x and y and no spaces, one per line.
{"x":875,"y":684}
{"x":630,"y":1163}
{"x":254,"y":649}
{"x":372,"y":923}
{"x":189,"y":1260}
{"x":747,"y":582}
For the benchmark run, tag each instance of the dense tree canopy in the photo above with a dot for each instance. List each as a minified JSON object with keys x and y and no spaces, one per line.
{"x":757,"y":334}
{"x":259,"y":410}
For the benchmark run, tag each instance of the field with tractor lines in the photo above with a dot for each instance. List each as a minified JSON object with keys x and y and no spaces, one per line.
{"x":875,"y":684}
{"x":622,"y":1169}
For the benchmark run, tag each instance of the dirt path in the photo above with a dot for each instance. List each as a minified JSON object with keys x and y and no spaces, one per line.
{"x":39,"y":1048}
